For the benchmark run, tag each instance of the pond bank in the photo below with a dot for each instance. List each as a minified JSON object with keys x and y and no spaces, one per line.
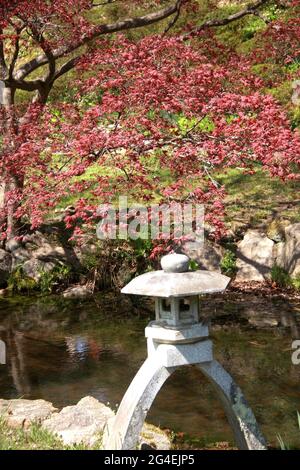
{"x":38,"y":422}
{"x":47,"y":261}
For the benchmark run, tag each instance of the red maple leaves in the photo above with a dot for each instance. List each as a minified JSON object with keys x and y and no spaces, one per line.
{"x":153,"y":119}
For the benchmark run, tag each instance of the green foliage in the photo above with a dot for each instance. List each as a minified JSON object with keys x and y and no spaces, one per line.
{"x":19,"y":282}
{"x":228,"y":263}
{"x":49,"y":280}
{"x":283,"y":279}
{"x":90,"y":260}
{"x":280,"y":276}
{"x":186,"y":124}
{"x":34,"y":438}
{"x":193,"y":265}
{"x":251,"y":27}
{"x":296,"y":283}
{"x":295,"y":118}
{"x":142,"y":248}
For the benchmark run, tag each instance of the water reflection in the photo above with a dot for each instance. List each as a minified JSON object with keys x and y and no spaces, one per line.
{"x":63,"y":350}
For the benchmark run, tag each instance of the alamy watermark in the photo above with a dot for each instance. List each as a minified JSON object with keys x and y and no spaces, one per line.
{"x":156,"y":222}
{"x":296,"y":353}
{"x":2,"y":352}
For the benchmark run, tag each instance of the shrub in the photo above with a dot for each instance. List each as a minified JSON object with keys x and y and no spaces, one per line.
{"x":228,"y":263}
{"x":19,"y":282}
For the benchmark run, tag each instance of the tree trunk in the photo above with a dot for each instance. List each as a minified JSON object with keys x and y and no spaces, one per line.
{"x":9,"y":182}
{"x":14,"y":184}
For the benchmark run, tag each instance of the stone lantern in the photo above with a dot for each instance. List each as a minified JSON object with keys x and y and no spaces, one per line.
{"x":178,"y":337}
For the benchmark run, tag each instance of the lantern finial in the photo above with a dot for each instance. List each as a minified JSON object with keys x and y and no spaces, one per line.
{"x":175,"y":263}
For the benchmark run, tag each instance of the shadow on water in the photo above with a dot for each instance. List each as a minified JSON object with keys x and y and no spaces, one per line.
{"x":62,"y":350}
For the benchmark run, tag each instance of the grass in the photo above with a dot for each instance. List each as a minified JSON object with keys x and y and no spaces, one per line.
{"x":283,"y":445}
{"x":283,"y":279}
{"x":251,"y":198}
{"x":34,"y":438}
{"x":254,"y":199}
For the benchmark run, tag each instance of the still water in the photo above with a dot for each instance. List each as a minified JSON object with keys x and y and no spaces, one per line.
{"x":62,"y":350}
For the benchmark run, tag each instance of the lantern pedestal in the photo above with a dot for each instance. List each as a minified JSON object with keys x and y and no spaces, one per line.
{"x":178,"y":338}
{"x":169,"y":349}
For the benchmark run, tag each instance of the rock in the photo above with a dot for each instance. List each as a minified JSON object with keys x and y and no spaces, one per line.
{"x":207,"y":255}
{"x":19,"y":256}
{"x":257,"y":316}
{"x":12,"y":245}
{"x":155,"y":438}
{"x":34,"y":239}
{"x":89,"y":248}
{"x":34,"y":267}
{"x":77,"y":292}
{"x":275,"y":231}
{"x":263,"y":322}
{"x":254,"y":257}
{"x":288,"y":253}
{"x":151,"y":437}
{"x":5,"y":266}
{"x":22,"y":413}
{"x":47,"y":251}
{"x":82,"y":423}
{"x":238,"y":228}
{"x":4,"y":292}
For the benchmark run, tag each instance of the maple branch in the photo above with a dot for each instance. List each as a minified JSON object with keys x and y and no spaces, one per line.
{"x":15,"y":54}
{"x":175,"y":19}
{"x":32,"y":85}
{"x":130,"y":23}
{"x":108,"y":2}
{"x":3,"y":66}
{"x":66,"y":67}
{"x":249,"y":10}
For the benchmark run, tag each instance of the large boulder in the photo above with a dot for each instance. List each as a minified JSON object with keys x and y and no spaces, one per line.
{"x":12,"y":245}
{"x":5,"y":266}
{"x":206,"y":254}
{"x":288,"y":253}
{"x":254,"y":257}
{"x":78,"y":292}
{"x":19,"y":256}
{"x":34,"y":268}
{"x":23,"y":413}
{"x":47,"y":251}
{"x":82,"y":423}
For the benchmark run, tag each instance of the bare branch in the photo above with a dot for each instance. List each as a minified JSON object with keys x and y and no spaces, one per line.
{"x":32,"y":85}
{"x":176,"y":17}
{"x":3,"y":66}
{"x":131,"y":23}
{"x":16,"y":53}
{"x":66,"y":67}
{"x":249,"y":10}
{"x":108,"y":2}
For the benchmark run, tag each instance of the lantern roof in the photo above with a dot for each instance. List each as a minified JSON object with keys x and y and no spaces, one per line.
{"x":176,"y":280}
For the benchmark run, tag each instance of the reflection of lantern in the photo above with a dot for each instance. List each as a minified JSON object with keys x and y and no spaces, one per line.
{"x":177,"y":338}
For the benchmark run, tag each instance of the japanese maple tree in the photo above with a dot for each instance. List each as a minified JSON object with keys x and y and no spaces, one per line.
{"x":151,"y":117}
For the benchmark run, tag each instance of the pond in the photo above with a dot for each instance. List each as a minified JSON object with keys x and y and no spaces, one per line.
{"x":63,"y":350}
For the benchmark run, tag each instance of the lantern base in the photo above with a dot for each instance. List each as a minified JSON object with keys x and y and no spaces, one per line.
{"x":162,"y":333}
{"x":163,"y":359}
